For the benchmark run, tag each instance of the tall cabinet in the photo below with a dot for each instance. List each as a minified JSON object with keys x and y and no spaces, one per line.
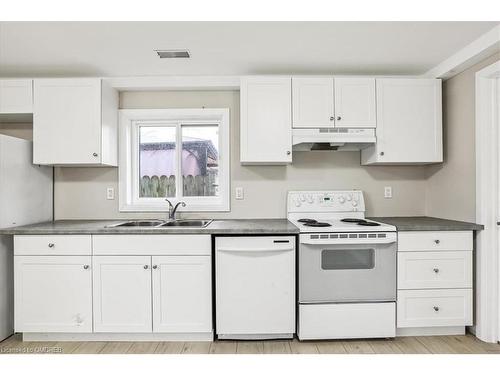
{"x":75,"y":122}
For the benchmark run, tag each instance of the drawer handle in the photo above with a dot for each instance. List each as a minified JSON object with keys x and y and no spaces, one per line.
{"x":146,"y":266}
{"x":51,"y":245}
{"x":281,"y":241}
{"x":437,"y":242}
{"x":436,"y":270}
{"x":86,"y":267}
{"x":436,"y":308}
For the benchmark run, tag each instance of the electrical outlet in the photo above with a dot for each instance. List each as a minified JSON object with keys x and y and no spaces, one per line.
{"x":110,"y":193}
{"x":388,"y":192}
{"x":239,"y":193}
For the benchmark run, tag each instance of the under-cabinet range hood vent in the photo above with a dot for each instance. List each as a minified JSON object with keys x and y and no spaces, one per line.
{"x":332,"y":139}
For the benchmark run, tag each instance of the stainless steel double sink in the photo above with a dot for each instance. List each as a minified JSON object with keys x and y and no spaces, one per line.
{"x":162,"y":223}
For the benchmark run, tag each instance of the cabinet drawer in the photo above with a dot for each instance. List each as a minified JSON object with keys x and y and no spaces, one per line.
{"x":435,"y":241}
{"x":159,"y":244}
{"x":434,"y":308}
{"x":435,"y":269}
{"x":53,"y":245}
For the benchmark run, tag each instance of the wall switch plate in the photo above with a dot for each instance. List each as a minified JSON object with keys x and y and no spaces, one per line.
{"x":239,"y":193}
{"x":110,"y":193}
{"x":388,"y":192}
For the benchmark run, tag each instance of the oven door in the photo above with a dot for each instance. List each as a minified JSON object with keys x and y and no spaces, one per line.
{"x":347,"y":272}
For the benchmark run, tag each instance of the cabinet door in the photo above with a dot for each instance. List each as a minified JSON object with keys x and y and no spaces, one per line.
{"x":122,"y":294}
{"x":53,"y":294}
{"x":409,"y":122}
{"x":355,"y":103}
{"x":182,"y":294}
{"x":266,"y":120}
{"x":67,"y":121}
{"x":16,"y":96}
{"x":313,"y":104}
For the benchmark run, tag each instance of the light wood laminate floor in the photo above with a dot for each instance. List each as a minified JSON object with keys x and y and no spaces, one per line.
{"x":466,"y":344}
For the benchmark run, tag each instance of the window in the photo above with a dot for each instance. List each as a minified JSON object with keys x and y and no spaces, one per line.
{"x":179,"y":154}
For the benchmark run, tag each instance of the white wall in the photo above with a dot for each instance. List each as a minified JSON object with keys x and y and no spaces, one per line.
{"x":451,"y":186}
{"x":18,"y":130}
{"x":80,"y":193}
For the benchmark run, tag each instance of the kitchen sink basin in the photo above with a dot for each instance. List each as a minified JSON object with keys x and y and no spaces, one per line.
{"x":139,"y":223}
{"x":162,"y":223}
{"x":187,"y":223}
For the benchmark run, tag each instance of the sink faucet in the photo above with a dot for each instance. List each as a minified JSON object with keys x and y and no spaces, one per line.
{"x":173,"y":209}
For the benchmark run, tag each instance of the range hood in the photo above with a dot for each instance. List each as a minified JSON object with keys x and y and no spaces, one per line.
{"x":328,"y":139}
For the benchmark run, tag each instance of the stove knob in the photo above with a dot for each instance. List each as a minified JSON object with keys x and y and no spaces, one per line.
{"x":354,"y":203}
{"x":310,"y":198}
{"x":349,"y":197}
{"x":297,"y":203}
{"x":342,"y":200}
{"x":302,"y":197}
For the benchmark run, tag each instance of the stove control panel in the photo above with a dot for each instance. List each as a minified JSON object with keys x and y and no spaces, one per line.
{"x":326,"y":201}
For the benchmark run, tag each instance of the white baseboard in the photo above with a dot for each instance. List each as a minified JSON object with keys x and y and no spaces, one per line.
{"x":255,"y":337}
{"x":431,"y":331}
{"x":118,"y":336}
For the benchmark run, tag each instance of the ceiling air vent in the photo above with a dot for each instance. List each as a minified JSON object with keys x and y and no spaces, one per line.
{"x":173,"y":53}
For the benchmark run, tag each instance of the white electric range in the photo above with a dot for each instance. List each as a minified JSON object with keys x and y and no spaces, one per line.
{"x":347,"y":267}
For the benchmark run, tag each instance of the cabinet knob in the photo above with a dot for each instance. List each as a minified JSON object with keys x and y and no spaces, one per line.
{"x":382,"y":153}
{"x":437,"y":242}
{"x":436,"y":308}
{"x":332,"y":118}
{"x":51,"y":245}
{"x":155,"y":267}
{"x":86,"y":267}
{"x":339,"y":118}
{"x":288,"y":152}
{"x":436,"y":270}
{"x":95,"y":154}
{"x":146,"y":266}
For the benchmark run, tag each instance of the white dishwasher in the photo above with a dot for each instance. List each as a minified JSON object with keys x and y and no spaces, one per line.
{"x":255,"y":287}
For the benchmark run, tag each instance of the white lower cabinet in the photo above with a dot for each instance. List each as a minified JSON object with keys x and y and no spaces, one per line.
{"x":122,"y":294}
{"x":158,"y":287}
{"x":434,"y":282}
{"x":53,"y":293}
{"x":182,"y":294}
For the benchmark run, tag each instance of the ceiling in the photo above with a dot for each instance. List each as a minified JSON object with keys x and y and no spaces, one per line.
{"x":229,"y":48}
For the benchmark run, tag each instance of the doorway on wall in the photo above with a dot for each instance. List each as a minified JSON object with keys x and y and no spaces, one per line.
{"x":487,"y":317}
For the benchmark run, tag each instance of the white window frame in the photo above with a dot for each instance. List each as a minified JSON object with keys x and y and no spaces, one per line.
{"x":131,"y":119}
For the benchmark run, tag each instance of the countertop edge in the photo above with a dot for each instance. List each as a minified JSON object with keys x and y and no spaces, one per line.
{"x":427,"y":223}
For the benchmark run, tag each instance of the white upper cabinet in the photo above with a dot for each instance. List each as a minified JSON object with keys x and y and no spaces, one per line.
{"x":266,"y":120}
{"x":355,"y":103}
{"x":313,"y":103}
{"x":409,"y":123}
{"x":75,"y":122}
{"x":53,"y":294}
{"x":16,"y":96}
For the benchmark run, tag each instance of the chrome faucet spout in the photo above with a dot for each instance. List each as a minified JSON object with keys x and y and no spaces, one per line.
{"x":173,"y":209}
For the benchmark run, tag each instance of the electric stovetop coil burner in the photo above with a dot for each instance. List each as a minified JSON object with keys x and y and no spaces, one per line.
{"x":361,"y":222}
{"x":313,"y":223}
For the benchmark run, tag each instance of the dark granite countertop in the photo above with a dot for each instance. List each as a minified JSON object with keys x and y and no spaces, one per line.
{"x":243,"y":226}
{"x":421,"y":223}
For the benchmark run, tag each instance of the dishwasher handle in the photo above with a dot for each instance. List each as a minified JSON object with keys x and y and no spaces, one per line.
{"x":255,"y":249}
